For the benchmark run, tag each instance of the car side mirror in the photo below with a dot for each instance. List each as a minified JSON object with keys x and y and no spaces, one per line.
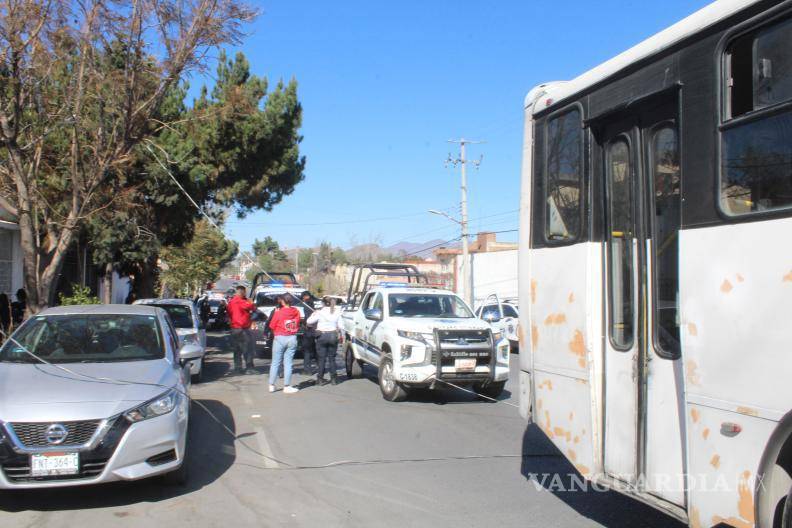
{"x":374,"y":314}
{"x":491,"y":317}
{"x":189,"y":352}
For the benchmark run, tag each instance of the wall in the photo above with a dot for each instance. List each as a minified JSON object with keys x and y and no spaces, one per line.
{"x":492,"y":272}
{"x":16,"y":259}
{"x":120,"y":289}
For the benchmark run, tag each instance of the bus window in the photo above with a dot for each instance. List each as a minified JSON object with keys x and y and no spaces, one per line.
{"x":564,"y":176}
{"x":665,"y":229}
{"x":759,"y":69}
{"x":773,"y":65}
{"x":620,"y":242}
{"x":756,"y":164}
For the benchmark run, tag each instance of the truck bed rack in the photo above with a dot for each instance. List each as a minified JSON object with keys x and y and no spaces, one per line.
{"x":362,"y":274}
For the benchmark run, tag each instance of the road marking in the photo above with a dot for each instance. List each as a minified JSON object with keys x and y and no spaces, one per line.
{"x":264,"y":447}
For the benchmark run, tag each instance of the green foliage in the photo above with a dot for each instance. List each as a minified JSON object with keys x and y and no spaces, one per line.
{"x":80,"y":295}
{"x":237,"y":147}
{"x":189,"y":267}
{"x":269,"y":257}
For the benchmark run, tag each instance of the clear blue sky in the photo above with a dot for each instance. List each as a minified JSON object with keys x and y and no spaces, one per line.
{"x":384,"y":85}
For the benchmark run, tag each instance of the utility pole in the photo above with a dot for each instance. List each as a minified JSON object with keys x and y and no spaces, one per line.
{"x":467,"y":289}
{"x":296,"y":261}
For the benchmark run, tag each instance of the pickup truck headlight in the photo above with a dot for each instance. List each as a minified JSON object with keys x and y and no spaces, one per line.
{"x":162,"y":404}
{"x":426,"y":339}
{"x":415,"y":336}
{"x":497,"y":336}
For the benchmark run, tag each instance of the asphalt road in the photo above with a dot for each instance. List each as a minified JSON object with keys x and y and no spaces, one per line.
{"x":413,"y":466}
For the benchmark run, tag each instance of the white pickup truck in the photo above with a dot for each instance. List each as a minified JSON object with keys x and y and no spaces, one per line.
{"x":419,"y":337}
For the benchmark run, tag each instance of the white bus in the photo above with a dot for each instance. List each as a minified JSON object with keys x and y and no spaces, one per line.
{"x":656,"y":267}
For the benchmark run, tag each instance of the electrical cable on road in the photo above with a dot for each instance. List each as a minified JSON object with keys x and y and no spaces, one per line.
{"x":287,"y":466}
{"x":78,"y":376}
{"x":265,"y":272}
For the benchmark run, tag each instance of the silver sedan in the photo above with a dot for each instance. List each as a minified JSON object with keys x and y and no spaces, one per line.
{"x":93,"y":394}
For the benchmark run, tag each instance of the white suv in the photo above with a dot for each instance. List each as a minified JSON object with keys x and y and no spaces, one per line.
{"x":423,"y":337}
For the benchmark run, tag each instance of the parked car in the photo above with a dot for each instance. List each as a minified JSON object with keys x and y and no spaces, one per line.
{"x":217,"y":316}
{"x":60,"y":427}
{"x":504,"y":317}
{"x":267,"y":287}
{"x":189,"y":327}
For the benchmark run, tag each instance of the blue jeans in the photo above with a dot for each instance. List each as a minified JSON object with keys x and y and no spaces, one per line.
{"x":283,"y":349}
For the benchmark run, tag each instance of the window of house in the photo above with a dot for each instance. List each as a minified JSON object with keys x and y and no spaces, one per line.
{"x":6,"y":260}
{"x":564,"y":177}
{"x":756,"y":153}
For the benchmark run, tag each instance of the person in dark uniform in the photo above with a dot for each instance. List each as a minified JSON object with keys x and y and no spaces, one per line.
{"x":309,"y":334}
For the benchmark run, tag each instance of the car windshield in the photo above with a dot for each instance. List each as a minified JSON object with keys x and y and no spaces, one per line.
{"x":180,"y":315}
{"x":427,"y":305}
{"x":271,"y":299}
{"x":86,"y":339}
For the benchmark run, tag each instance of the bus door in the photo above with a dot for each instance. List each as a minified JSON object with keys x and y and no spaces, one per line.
{"x":643,"y":440}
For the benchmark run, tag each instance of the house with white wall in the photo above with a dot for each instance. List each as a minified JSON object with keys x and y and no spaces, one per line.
{"x":11,"y":278}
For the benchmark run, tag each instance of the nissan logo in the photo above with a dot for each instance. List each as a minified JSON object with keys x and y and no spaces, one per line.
{"x":56,"y":434}
{"x":462,"y":341}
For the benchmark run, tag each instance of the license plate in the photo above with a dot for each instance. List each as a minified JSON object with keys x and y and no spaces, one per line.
{"x":465,"y":364}
{"x":49,"y":464}
{"x":213,"y":309}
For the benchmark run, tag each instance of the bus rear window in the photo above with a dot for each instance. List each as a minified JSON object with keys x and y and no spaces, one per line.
{"x":564,"y":176}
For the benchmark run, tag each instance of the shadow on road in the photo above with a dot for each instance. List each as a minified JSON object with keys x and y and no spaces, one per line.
{"x":441,"y":395}
{"x":547,"y":469}
{"x":210,"y":453}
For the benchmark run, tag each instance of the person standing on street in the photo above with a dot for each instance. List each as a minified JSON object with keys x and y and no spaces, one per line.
{"x":330,"y":330}
{"x":284,"y":322}
{"x":309,"y":334}
{"x":239,"y":310}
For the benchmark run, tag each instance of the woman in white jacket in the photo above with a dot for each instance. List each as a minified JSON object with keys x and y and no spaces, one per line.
{"x":330,"y":333}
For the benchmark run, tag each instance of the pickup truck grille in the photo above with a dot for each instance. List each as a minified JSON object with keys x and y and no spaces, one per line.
{"x":463,"y":344}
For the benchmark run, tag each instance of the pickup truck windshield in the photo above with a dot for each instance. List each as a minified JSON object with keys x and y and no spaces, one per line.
{"x":86,"y":339}
{"x":427,"y":305}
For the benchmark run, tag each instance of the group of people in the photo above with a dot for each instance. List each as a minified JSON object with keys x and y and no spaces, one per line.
{"x":322,"y":333}
{"x":12,"y":313}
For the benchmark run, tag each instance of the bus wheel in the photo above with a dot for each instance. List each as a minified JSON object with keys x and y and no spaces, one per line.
{"x":353,"y":367}
{"x":391,"y":389}
{"x":491,"y":389}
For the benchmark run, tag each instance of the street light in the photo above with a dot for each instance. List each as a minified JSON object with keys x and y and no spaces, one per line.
{"x":466,"y":289}
{"x":442,"y":213}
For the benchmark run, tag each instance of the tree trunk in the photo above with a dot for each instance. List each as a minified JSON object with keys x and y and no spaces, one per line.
{"x":146,"y":279}
{"x":107,"y":282}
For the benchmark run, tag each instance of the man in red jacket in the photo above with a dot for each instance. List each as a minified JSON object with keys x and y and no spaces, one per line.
{"x":284,"y":322}
{"x":239,"y":310}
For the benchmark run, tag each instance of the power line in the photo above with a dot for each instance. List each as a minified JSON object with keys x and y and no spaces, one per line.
{"x":450,"y":228}
{"x":340,"y":222}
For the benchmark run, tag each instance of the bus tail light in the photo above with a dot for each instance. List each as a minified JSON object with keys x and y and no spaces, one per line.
{"x":730,"y":429}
